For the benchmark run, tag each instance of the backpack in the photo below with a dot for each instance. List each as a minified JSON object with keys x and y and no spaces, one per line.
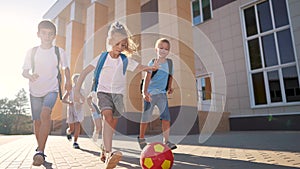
{"x":99,"y":67}
{"x":170,"y":65}
{"x":33,"y":52}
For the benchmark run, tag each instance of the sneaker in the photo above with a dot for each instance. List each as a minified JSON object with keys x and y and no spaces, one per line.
{"x":172,"y":146}
{"x":76,"y":146}
{"x":38,"y":159}
{"x":102,"y":154}
{"x":113,"y":159}
{"x":69,"y":136}
{"x":142,"y":142}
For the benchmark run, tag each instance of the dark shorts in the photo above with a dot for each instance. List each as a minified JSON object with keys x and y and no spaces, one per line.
{"x":110,"y":101}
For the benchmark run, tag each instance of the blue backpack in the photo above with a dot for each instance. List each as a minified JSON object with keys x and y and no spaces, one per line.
{"x":99,"y":67}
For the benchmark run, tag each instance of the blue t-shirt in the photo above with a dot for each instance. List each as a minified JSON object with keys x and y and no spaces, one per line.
{"x":159,"y":81}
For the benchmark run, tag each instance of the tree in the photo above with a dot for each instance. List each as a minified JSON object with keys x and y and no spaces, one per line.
{"x":14,"y":117}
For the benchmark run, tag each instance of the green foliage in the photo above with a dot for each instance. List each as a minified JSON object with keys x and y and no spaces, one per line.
{"x":14,"y":116}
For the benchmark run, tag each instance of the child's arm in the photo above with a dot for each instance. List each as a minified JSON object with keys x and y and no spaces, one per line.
{"x":65,"y":98}
{"x":31,"y":77}
{"x":77,"y":95}
{"x":68,"y":85}
{"x":170,"y":89}
{"x":154,"y":67}
{"x":89,"y":102}
{"x":146,"y":95}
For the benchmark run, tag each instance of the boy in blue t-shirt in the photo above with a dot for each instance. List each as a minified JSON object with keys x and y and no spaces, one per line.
{"x":155,"y":88}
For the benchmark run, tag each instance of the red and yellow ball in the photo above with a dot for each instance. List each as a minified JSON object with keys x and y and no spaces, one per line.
{"x":156,"y":156}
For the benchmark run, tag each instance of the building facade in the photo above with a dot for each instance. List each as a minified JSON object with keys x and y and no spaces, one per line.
{"x":236,"y":62}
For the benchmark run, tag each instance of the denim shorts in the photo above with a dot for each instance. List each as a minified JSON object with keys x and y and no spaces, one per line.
{"x":37,"y":103}
{"x":159,"y":100}
{"x":110,"y":101}
{"x":96,"y":115}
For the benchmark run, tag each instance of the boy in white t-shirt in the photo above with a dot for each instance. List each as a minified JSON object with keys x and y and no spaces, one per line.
{"x":43,"y":83}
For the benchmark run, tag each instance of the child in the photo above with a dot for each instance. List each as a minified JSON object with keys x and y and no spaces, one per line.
{"x":154,"y":93}
{"x":96,"y":114}
{"x":92,"y":101}
{"x":43,"y":83}
{"x":111,"y":84}
{"x":75,"y":114}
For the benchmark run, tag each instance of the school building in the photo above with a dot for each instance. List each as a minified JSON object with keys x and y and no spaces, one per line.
{"x":236,"y":62}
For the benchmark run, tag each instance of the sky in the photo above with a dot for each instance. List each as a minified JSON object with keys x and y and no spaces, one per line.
{"x":18,"y":27}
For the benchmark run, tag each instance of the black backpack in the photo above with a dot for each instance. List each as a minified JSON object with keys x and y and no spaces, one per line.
{"x":170,"y":65}
{"x":33,"y":52}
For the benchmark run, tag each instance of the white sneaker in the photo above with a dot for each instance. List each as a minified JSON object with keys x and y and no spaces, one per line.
{"x":113,"y":159}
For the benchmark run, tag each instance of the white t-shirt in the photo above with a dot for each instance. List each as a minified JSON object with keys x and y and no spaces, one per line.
{"x":112,"y":79}
{"x":46,"y":67}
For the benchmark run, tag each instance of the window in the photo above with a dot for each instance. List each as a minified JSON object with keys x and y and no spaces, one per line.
{"x":270,"y":54}
{"x":201,"y":11}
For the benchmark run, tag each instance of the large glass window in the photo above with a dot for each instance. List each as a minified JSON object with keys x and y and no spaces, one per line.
{"x":271,"y":55}
{"x":201,"y":11}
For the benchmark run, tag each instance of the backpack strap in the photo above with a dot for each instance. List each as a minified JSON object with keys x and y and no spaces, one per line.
{"x":58,"y":71}
{"x":33,"y":52}
{"x":170,"y":65}
{"x":98,"y":69}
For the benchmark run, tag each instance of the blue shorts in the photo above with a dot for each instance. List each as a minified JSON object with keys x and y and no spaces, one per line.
{"x":159,"y":100}
{"x":37,"y":103}
{"x":96,"y":115}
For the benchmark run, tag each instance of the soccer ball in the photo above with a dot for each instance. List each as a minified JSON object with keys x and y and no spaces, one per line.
{"x":155,"y":156}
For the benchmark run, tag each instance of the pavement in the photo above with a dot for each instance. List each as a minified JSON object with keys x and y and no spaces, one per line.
{"x":231,"y":150}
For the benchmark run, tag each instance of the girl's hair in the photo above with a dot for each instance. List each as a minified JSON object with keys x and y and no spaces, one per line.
{"x":74,"y":77}
{"x":117,"y":27}
{"x":46,"y":24}
{"x":162,"y":40}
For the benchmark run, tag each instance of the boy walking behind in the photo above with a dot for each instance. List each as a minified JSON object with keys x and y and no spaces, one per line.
{"x":155,"y":88}
{"x":43,"y":83}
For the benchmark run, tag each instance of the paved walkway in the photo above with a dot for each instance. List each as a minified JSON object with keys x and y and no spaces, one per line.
{"x":233,"y":150}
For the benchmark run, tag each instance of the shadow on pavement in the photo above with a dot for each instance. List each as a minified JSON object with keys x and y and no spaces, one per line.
{"x":258,"y":140}
{"x":47,"y":165}
{"x":188,"y":161}
{"x":95,"y":153}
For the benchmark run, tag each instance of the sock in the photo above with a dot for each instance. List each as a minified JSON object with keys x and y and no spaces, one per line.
{"x":68,"y":132}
